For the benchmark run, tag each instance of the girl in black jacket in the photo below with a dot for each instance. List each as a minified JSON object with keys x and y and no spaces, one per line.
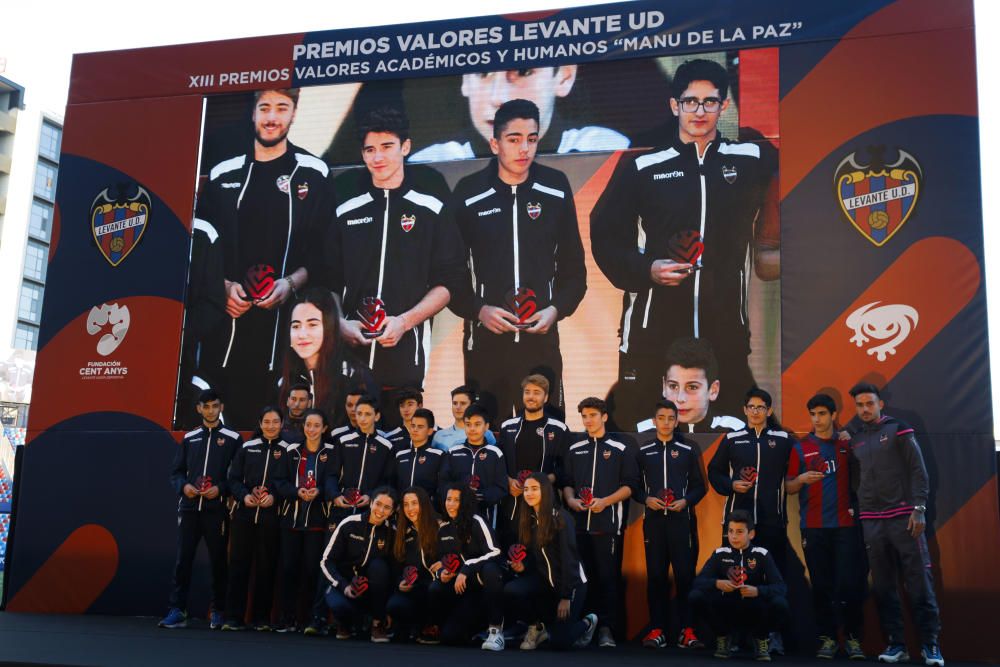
{"x":414,"y":552}
{"x":550,"y":588}
{"x":474,"y":584}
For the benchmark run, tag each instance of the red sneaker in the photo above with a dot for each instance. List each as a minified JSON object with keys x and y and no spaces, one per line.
{"x":689,"y":639}
{"x":655,"y":639}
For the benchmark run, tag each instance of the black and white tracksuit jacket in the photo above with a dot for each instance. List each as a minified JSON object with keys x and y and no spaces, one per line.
{"x":520,"y":237}
{"x":310,"y":201}
{"x":757,"y":563}
{"x":204,"y":452}
{"x":558,"y":562}
{"x":605,"y":465}
{"x":395,"y":245}
{"x":668,"y":203}
{"x":674,"y":465}
{"x":257,"y":463}
{"x":296,"y":513}
{"x":480,"y":548}
{"x":353,"y":544}
{"x":484,"y":461}
{"x":418,"y":467}
{"x":888,"y":469}
{"x":361,"y":462}
{"x":416,"y":556}
{"x":766,"y":452}
{"x":550,"y":445}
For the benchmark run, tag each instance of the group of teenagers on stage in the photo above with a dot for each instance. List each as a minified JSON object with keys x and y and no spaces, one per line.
{"x":515,"y":535}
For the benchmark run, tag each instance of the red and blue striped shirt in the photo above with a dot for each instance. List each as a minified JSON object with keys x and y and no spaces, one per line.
{"x":823,"y":504}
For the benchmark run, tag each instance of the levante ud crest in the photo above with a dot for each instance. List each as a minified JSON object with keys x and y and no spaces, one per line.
{"x":878,"y":197}
{"x":118,"y":218}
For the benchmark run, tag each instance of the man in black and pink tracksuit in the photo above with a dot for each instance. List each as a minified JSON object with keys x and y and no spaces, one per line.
{"x":893,"y":490}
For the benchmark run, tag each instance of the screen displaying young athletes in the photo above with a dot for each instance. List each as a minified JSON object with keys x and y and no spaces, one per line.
{"x":680,"y":245}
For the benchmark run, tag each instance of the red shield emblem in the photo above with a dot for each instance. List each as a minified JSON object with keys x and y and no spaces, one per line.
{"x":534,"y":210}
{"x":118,"y":221}
{"x":751,"y":563}
{"x":878,"y":198}
{"x":407,"y":222}
{"x":606,"y":454}
{"x":674,"y":453}
{"x":302,"y":190}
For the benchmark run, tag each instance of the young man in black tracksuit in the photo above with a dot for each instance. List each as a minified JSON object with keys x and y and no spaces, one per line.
{"x":599,"y":473}
{"x":417,"y":463}
{"x":674,"y":230}
{"x":893,"y":490}
{"x":749,"y":466}
{"x":740,"y":589}
{"x":254,"y":478}
{"x":363,"y":460}
{"x":476,"y":464}
{"x":393,"y":254}
{"x":198,"y":475}
{"x":532,"y":442}
{"x":518,"y":219}
{"x":267,"y":209}
{"x":670,"y":484}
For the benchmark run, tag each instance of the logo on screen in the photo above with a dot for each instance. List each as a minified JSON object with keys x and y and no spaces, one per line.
{"x":878,"y":197}
{"x":111,"y":321}
{"x":118,"y":218}
{"x":891,"y":323}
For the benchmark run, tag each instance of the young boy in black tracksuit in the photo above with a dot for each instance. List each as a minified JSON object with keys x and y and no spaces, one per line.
{"x":671,"y":484}
{"x":254,"y":478}
{"x":363,"y":461}
{"x":740,"y":589}
{"x":518,"y":219}
{"x":599,"y":473}
{"x":392,"y":242}
{"x":198,"y":475}
{"x":476,"y":464}
{"x":417,"y":463}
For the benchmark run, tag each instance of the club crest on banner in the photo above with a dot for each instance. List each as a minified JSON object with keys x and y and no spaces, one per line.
{"x":878,"y":197}
{"x":118,"y":219}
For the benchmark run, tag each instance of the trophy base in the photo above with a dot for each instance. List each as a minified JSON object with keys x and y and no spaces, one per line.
{"x":371,"y":335}
{"x":523,"y":325}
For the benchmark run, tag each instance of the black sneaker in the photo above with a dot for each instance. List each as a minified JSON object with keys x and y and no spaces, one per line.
{"x":827,"y":648}
{"x":761,"y":651}
{"x":233,"y":626}
{"x":722,"y":647}
{"x":315,"y":629}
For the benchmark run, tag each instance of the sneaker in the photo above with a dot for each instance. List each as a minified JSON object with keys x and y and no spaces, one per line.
{"x":776,"y":643}
{"x":215,"y":620}
{"x":285,"y":628}
{"x":761,"y":651}
{"x":721,"y":647}
{"x":853,"y":649}
{"x":689,"y":639}
{"x":262,"y":626}
{"x":588,"y":634}
{"x":827,"y":648}
{"x":233,"y":626}
{"x":430,"y":635}
{"x":931,"y":653}
{"x":344,"y":631}
{"x":314,"y":629}
{"x":894,"y":653}
{"x":655,"y":639}
{"x":605,"y":639}
{"x":535,"y":635}
{"x":175,"y":618}
{"x":494,"y":641}
{"x":378,"y":633}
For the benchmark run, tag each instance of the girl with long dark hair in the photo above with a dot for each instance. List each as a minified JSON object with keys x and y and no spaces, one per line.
{"x":305,"y":513}
{"x":550,"y":588}
{"x":470,"y":580}
{"x":414,"y":552}
{"x":254,"y":477}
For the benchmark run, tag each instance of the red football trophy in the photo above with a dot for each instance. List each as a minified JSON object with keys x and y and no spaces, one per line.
{"x":260,"y":492}
{"x":310,"y":482}
{"x":523,"y":476}
{"x":737,"y":575}
{"x":749,"y":474}
{"x":474,"y":482}
{"x":817,"y":464}
{"x":352,"y":496}
{"x":258,"y":283}
{"x":203,"y":483}
{"x":667,"y":496}
{"x":586,"y":496}
{"x":517,"y":553}
{"x":451,"y":563}
{"x":523,"y":304}
{"x":359,"y":584}
{"x":410,"y":575}
{"x":371,"y":313}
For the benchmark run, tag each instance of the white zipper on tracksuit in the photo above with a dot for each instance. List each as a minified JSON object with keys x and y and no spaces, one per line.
{"x":381,"y":269}
{"x":517,"y":253}
{"x":704,"y":203}
{"x":204,"y":467}
{"x":513,"y":510}
{"x":263,"y":481}
{"x":593,"y":480}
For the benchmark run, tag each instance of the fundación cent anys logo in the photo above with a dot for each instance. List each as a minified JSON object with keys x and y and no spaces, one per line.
{"x":118,"y":219}
{"x":878,"y":197}
{"x":110,"y":323}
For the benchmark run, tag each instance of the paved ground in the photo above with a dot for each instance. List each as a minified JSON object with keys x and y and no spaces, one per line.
{"x":36,"y":639}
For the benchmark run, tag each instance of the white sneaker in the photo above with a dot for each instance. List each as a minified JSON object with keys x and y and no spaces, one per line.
{"x":605,"y":639}
{"x":494,"y":641}
{"x":536,"y":635}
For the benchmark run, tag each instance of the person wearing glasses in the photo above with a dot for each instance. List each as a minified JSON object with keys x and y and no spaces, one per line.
{"x":749,"y":467}
{"x":674,"y":230}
